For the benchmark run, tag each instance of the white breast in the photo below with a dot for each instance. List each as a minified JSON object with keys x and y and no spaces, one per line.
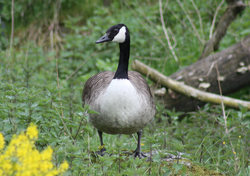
{"x":120,"y":102}
{"x":122,"y":109}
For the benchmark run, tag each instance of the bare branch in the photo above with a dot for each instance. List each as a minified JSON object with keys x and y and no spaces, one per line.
{"x":187,"y":90}
{"x":200,"y":20}
{"x":191,"y":22}
{"x":214,"y":19}
{"x":12,"y":26}
{"x":166,"y":33}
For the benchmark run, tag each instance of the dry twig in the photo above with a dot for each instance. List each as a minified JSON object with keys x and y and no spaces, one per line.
{"x":214,"y":19}
{"x":166,"y":33}
{"x":200,"y":19}
{"x":191,"y":22}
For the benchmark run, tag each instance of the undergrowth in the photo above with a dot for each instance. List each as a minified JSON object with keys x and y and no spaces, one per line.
{"x":42,"y":85}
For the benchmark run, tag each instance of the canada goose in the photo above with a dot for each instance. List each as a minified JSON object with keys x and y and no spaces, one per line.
{"x":122,"y":99}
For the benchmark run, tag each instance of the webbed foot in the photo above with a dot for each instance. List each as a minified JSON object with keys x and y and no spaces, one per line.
{"x":139,"y":155}
{"x":102,"y":150}
{"x":137,"y":152}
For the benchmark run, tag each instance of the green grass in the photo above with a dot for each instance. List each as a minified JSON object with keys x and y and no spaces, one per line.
{"x":44,"y":87}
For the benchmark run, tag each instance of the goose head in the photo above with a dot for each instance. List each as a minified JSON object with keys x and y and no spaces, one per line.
{"x":118,"y":33}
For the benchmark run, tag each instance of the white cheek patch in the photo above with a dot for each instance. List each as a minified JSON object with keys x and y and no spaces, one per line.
{"x":120,"y":37}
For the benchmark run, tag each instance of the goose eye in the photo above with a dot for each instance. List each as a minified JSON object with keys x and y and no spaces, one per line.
{"x":116,"y":30}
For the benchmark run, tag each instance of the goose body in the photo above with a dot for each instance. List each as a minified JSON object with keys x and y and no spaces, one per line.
{"x":122,"y":99}
{"x":124,"y":105}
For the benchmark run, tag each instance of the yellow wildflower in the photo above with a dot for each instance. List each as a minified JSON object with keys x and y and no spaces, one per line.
{"x":64,"y":166}
{"x":23,"y":159}
{"x":46,"y":166}
{"x":224,"y":143}
{"x":6,"y":166}
{"x":32,"y":131}
{"x":52,"y":173}
{"x":1,"y":141}
{"x":239,"y":136}
{"x":47,"y":154}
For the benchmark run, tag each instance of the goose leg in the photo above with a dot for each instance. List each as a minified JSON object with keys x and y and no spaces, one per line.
{"x":138,"y":148}
{"x":102,"y":148}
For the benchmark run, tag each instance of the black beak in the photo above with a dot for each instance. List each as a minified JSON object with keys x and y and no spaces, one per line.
{"x":104,"y":38}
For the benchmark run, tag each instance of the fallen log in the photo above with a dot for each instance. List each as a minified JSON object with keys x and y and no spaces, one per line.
{"x":230,"y":68}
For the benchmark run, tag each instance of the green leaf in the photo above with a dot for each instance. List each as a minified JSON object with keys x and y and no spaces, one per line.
{"x":90,"y":111}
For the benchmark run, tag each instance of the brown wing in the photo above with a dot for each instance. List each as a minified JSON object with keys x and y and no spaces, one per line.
{"x":95,"y":85}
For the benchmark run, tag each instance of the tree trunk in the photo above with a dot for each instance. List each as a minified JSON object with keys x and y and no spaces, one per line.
{"x":233,"y":66}
{"x":235,"y":7}
{"x":230,"y":66}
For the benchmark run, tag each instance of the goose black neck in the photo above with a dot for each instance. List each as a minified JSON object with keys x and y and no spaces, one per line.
{"x":122,"y":70}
